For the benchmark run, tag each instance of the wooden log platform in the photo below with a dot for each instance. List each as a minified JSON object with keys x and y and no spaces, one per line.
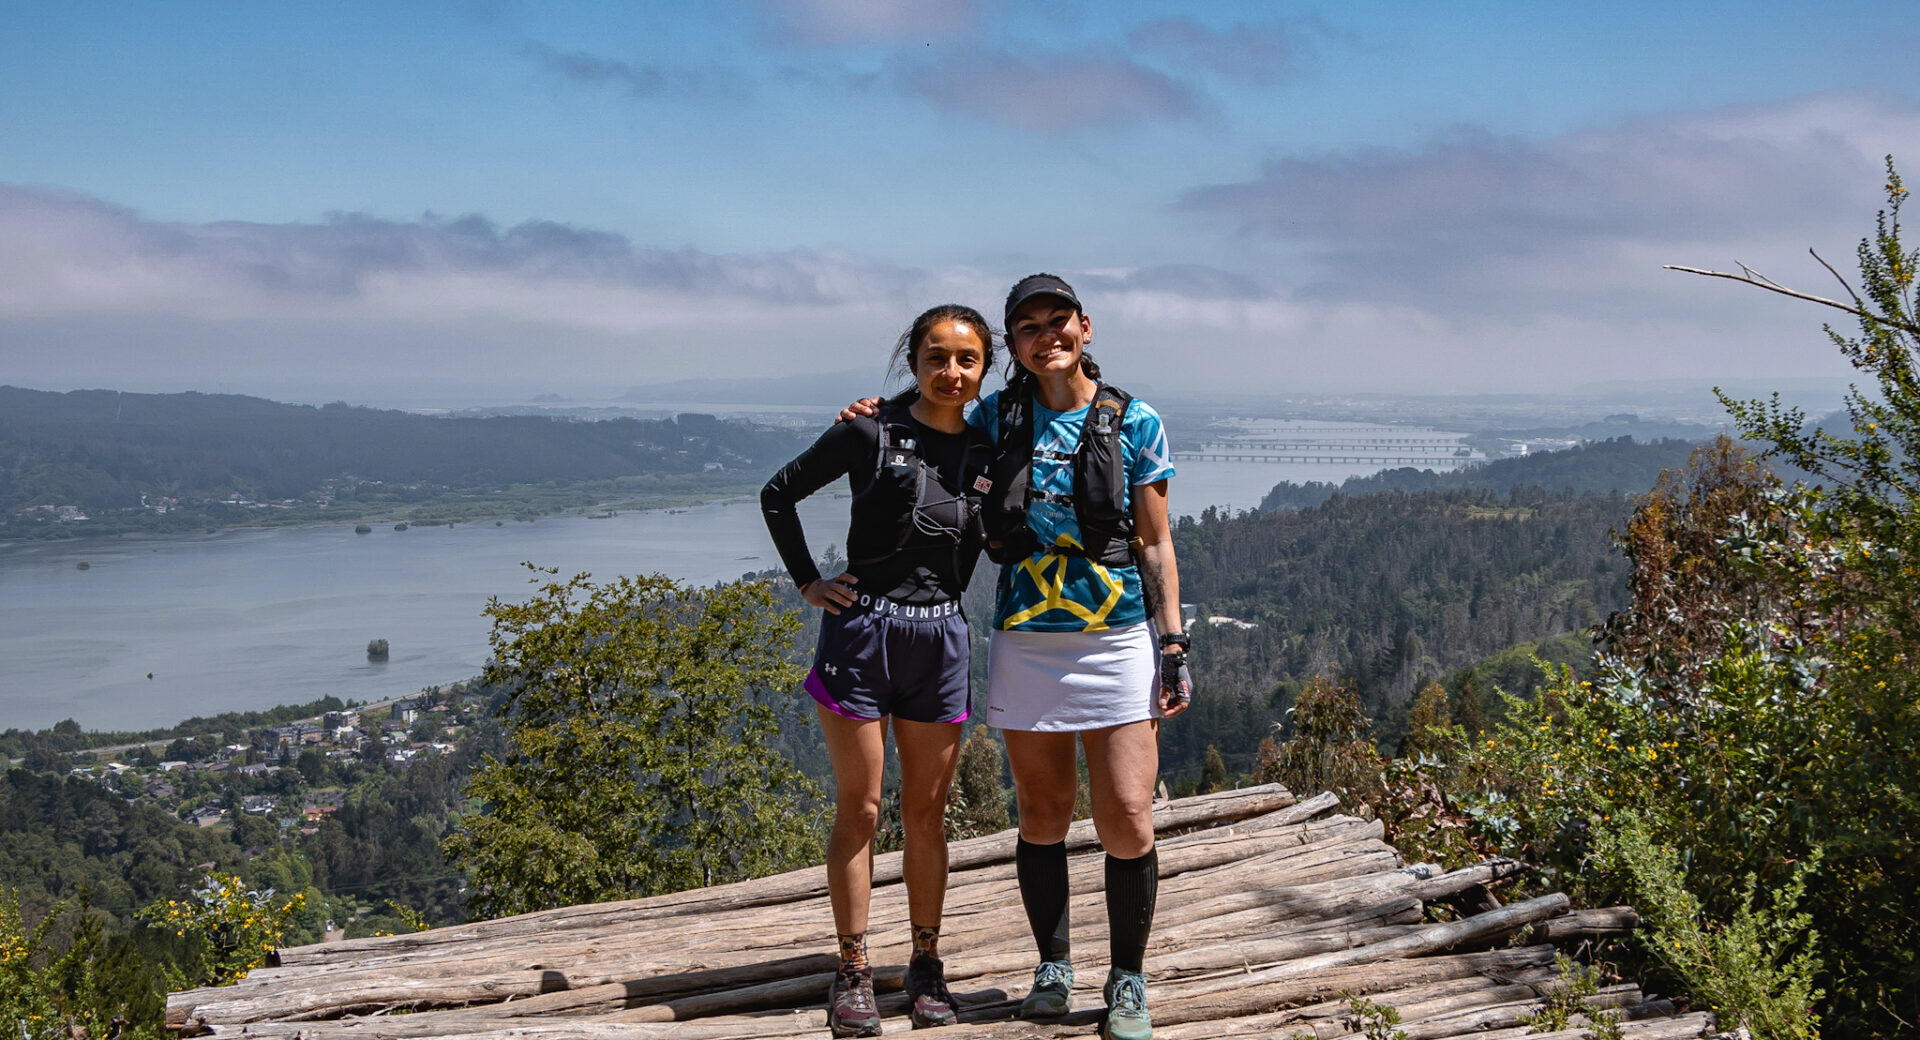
{"x":1273,"y":913}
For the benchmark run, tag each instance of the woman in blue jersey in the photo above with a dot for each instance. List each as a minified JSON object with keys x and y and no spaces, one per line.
{"x":1087,"y":642}
{"x":893,"y":642}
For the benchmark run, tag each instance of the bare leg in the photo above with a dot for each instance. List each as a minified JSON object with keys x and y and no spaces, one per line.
{"x":1044,"y":781}
{"x":928,"y":753}
{"x":857,"y":749}
{"x":1122,"y":764}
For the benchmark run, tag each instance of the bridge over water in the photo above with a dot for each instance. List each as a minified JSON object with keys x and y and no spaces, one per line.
{"x":1322,"y":455}
{"x":1365,"y":444}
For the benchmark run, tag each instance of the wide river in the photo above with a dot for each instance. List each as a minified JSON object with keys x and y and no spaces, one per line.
{"x":155,"y":630}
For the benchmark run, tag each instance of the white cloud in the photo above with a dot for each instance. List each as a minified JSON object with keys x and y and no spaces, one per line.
{"x":1472,"y":220}
{"x":71,"y":254}
{"x":95,"y":294}
{"x":1472,"y":263}
{"x":1255,"y":54}
{"x":838,"y":22}
{"x":1046,"y":92}
{"x":639,"y":81}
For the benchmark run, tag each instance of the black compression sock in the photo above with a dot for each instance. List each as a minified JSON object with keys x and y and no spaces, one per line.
{"x":1042,"y":870}
{"x":1133,"y":885}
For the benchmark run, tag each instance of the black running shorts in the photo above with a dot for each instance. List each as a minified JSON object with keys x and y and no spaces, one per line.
{"x":880,"y":658}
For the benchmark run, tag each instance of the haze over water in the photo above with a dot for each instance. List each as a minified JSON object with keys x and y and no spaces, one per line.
{"x":245,"y":620}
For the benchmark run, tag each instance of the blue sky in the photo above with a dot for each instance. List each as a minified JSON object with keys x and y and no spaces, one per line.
{"x":479,"y":200}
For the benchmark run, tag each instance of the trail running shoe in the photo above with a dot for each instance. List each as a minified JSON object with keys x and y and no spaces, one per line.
{"x":1052,"y":993}
{"x":850,"y":1007}
{"x":1127,"y":1017}
{"x":927,"y":988}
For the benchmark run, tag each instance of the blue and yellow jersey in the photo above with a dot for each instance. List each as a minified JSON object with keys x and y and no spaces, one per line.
{"x":1047,"y":593}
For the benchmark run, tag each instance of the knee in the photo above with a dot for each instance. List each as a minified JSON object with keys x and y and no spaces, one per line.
{"x":1126,"y":827}
{"x":860,"y":816}
{"x":926,"y":820}
{"x":1137,"y":813}
{"x":1047,"y":808}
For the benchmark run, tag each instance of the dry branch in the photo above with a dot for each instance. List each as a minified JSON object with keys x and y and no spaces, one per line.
{"x":1753,"y":278}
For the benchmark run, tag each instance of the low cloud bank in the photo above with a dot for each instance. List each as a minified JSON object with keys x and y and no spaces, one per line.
{"x":1471,"y":263}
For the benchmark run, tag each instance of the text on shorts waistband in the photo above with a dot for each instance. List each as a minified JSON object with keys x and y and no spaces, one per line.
{"x":881,"y":606}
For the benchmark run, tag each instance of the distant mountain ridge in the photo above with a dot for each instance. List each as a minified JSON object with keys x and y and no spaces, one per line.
{"x":808,"y":389}
{"x":1619,"y":464}
{"x":104,"y":449}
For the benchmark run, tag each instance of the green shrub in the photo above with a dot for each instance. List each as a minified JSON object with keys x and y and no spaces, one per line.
{"x":1756,"y":968}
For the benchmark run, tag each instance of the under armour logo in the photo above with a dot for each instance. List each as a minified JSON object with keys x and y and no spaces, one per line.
{"x":982,"y":484}
{"x":830,"y":669}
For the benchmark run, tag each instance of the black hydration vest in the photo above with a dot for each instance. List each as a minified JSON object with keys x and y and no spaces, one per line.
{"x":1099,"y":483}
{"x":905,"y":490}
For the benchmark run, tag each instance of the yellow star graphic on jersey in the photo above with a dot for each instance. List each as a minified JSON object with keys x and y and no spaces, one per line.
{"x":1053,"y":589}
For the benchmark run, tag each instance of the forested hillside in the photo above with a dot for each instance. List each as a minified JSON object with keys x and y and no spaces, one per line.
{"x":101,"y":450}
{"x":1384,"y":592}
{"x":1618,"y":464}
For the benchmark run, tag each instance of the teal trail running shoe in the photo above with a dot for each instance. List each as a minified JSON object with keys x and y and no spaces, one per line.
{"x":1052,"y":991}
{"x":1127,"y":1017}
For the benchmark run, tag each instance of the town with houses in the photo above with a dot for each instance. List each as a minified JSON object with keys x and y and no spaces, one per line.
{"x":280,"y":773}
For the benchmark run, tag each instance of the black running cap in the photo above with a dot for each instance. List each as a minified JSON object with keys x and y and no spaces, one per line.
{"x":1039,"y":285}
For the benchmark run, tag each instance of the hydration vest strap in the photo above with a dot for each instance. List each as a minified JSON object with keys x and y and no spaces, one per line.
{"x":1096,"y":501}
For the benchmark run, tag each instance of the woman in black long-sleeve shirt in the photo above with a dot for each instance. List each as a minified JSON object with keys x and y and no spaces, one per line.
{"x":893,"y":643}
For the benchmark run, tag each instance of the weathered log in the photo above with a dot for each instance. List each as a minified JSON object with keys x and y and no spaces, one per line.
{"x":1361,"y":979}
{"x":806,"y":921}
{"x":1479,"y":1019}
{"x":1655,"y":1008}
{"x":1181,"y":814}
{"x":801,"y":1025}
{"x":1678,"y":1027}
{"x":1596,"y":923}
{"x":582,"y":989}
{"x":807,"y":988}
{"x":1265,"y":923}
{"x":1328,"y":1017}
{"x":1254,"y":993}
{"x":1421,"y":941}
{"x":977,"y":963}
{"x":440,"y":978}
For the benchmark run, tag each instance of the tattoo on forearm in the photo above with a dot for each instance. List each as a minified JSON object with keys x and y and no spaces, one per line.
{"x":1153,"y":581}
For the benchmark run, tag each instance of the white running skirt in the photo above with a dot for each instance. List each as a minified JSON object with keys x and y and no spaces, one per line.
{"x":1064,"y":682}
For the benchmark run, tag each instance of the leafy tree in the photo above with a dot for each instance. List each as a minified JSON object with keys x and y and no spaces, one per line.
{"x":1761,"y":962}
{"x":1427,"y":720}
{"x":64,"y":976}
{"x":638,"y":714}
{"x":1331,"y":748}
{"x":42,"y":760}
{"x":1213,"y":772}
{"x":228,"y":929}
{"x":26,"y":990}
{"x":1743,"y":760}
{"x":977,"y":800}
{"x":1877,"y":467}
